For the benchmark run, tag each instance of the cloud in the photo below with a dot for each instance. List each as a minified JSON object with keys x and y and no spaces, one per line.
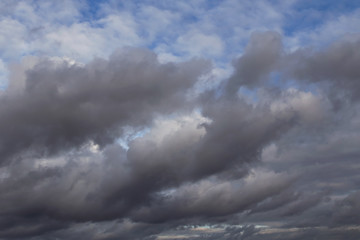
{"x":213,"y":198}
{"x":260,"y":58}
{"x":57,"y":106}
{"x":347,"y":210}
{"x":335,"y":65}
{"x":257,"y":138}
{"x":77,"y":172}
{"x":196,"y":162}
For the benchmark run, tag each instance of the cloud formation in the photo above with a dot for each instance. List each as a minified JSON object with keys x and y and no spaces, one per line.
{"x":147,"y":143}
{"x":61,"y":106}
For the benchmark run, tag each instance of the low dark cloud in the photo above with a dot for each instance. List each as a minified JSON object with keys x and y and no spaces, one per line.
{"x":282,"y":166}
{"x":61,"y":106}
{"x":337,"y":65}
{"x":261,"y":57}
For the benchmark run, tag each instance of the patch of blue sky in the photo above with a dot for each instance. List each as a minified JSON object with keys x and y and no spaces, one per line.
{"x":309,"y":14}
{"x":3,"y":82}
{"x":275,"y":79}
{"x":92,"y":12}
{"x":203,"y":16}
{"x":169,"y":5}
{"x":4,"y":74}
{"x":231,"y":21}
{"x":250,"y":95}
{"x":334,"y":6}
{"x":278,"y":80}
{"x":93,"y":7}
{"x":131,"y":134}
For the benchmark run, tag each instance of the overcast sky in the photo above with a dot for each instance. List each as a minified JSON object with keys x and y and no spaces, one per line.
{"x":197,"y":120}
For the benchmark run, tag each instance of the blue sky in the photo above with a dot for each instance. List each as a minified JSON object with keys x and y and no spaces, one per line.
{"x":173,"y":30}
{"x":170,"y":29}
{"x":217,"y":30}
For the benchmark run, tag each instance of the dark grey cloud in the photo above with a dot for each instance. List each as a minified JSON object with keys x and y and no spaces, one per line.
{"x":14,"y":227}
{"x":287,"y":161}
{"x":337,"y":64}
{"x":210,"y":198}
{"x":260,"y":58}
{"x":62,"y":106}
{"x":117,"y":183}
{"x":333,"y":67}
{"x":347,"y":210}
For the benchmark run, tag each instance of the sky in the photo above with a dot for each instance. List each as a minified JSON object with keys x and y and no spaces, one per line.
{"x":195,"y":120}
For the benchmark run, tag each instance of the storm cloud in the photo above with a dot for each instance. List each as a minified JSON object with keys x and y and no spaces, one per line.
{"x":144,"y":144}
{"x":59,"y":106}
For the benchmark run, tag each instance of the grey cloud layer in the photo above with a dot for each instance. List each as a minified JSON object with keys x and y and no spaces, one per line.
{"x":63,"y":106}
{"x":60,"y":123}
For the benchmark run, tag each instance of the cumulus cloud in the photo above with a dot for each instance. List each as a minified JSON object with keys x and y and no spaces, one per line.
{"x":132,"y":147}
{"x":61,"y":121}
{"x":62,"y":106}
{"x":260,"y":58}
{"x":197,"y":160}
